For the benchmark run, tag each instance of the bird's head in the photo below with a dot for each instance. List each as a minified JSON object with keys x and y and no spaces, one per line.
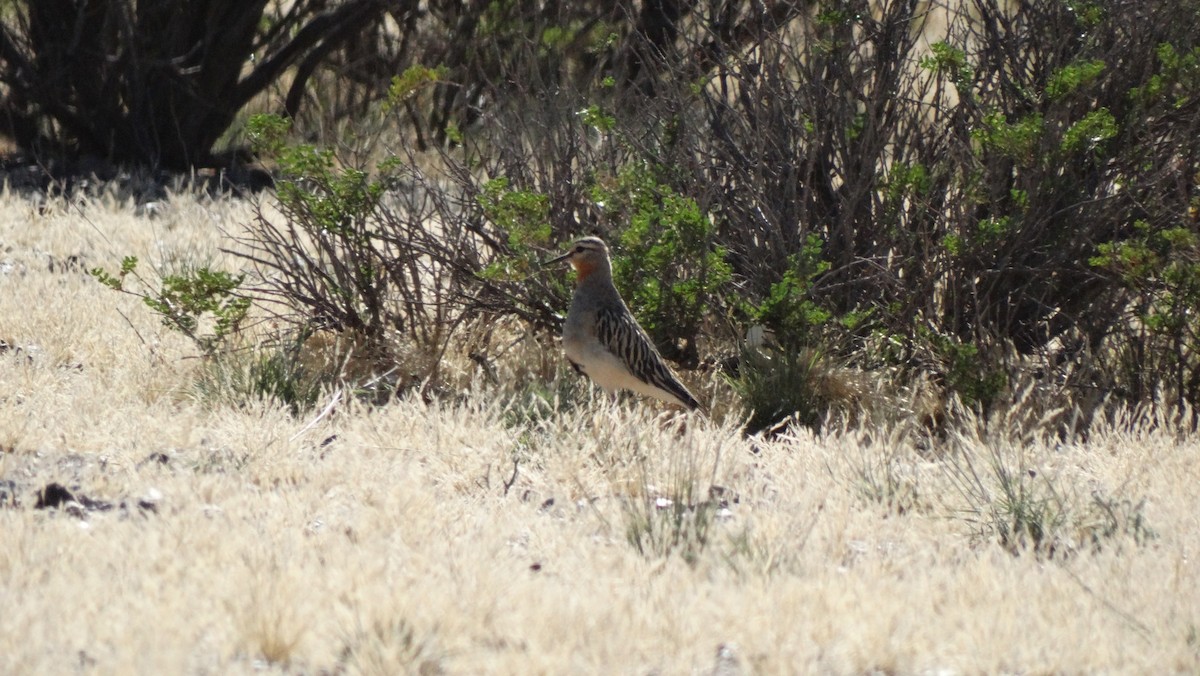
{"x":586,"y":255}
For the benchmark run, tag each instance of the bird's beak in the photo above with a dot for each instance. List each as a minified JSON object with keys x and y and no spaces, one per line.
{"x":557,"y":259}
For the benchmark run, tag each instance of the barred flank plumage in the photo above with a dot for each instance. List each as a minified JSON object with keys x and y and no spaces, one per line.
{"x":617,"y":330}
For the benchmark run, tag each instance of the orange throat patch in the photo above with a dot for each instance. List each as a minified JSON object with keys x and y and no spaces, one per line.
{"x":582,"y":270}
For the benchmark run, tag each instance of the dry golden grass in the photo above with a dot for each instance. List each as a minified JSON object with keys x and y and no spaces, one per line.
{"x":389,"y":540}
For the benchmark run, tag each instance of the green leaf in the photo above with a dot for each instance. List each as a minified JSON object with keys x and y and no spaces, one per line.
{"x":1090,"y":131}
{"x":594,"y":116}
{"x":1073,"y":76}
{"x":413,"y":78}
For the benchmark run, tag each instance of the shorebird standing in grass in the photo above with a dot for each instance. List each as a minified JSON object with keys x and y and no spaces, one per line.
{"x":604,"y":341}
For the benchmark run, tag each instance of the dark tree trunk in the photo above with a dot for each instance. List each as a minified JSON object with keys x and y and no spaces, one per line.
{"x":154,"y":82}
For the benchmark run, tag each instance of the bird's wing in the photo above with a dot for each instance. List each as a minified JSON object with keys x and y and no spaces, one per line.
{"x":620,"y":334}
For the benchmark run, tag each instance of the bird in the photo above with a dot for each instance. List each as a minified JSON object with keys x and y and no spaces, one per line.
{"x":604,"y":341}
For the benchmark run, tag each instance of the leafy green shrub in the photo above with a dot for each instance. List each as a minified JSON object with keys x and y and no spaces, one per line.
{"x":977,"y":381}
{"x":951,"y":202}
{"x":329,"y":260}
{"x":524,"y":217}
{"x":789,"y":310}
{"x":1160,"y":269}
{"x":209,"y":308}
{"x":202,"y":304}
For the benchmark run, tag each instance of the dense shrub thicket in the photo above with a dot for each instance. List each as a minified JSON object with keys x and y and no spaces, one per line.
{"x":964,"y":193}
{"x":157,"y":83}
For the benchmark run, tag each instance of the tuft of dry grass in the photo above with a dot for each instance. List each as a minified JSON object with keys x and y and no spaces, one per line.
{"x":533,"y":526}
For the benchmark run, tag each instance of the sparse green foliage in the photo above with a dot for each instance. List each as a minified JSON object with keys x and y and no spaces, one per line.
{"x":523,"y":214}
{"x":454,"y":133}
{"x":184,"y":301}
{"x":276,"y":372}
{"x":595,"y":117}
{"x":909,"y":181}
{"x":1071,"y":77}
{"x":803,"y":385}
{"x":789,"y":309}
{"x":974,"y":379}
{"x":413,"y":78}
{"x":1176,"y":81}
{"x":1017,"y":140}
{"x":330,"y":198}
{"x":268,"y":133}
{"x":522,"y":219}
{"x":117,"y":282}
{"x":1087,"y":12}
{"x":1023,"y":507}
{"x":1160,"y":268}
{"x":950,"y":62}
{"x":1090,"y":131}
{"x":331,"y":258}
